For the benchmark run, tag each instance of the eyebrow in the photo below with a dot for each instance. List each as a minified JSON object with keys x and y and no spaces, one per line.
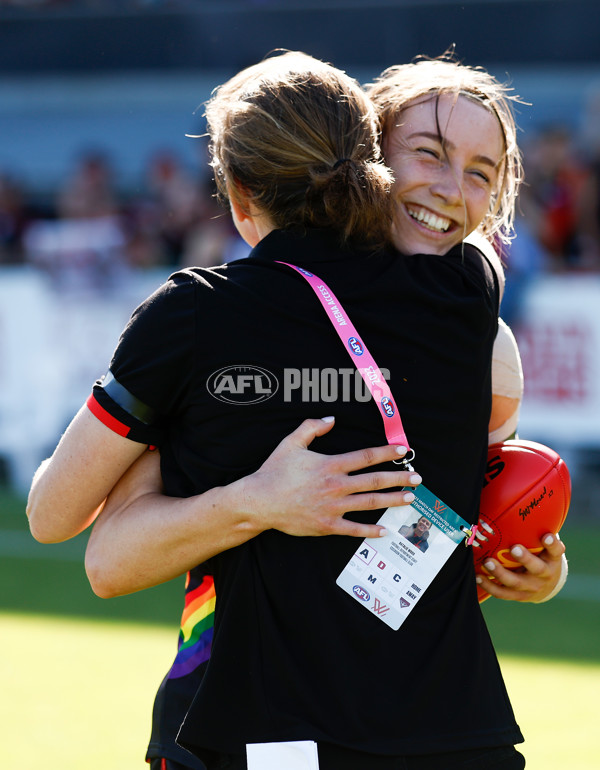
{"x":442,"y":140}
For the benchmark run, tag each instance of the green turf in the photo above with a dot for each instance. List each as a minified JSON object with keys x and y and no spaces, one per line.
{"x":50,"y":579}
{"x":76,"y":693}
{"x":555,"y":706}
{"x":563,"y":628}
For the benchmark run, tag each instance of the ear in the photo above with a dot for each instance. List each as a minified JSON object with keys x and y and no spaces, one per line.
{"x":239,"y":201}
{"x":242,"y":213}
{"x":238,"y":213}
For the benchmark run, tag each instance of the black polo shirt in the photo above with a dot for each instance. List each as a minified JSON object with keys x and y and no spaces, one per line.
{"x":219,"y":365}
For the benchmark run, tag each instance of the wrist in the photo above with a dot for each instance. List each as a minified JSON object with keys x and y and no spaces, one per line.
{"x":238,"y":501}
{"x":562,"y":579}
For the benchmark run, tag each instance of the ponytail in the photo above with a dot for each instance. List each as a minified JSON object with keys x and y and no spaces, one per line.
{"x":301,"y":139}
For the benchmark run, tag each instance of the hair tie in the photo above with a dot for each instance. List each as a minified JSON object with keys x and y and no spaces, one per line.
{"x":339,"y":162}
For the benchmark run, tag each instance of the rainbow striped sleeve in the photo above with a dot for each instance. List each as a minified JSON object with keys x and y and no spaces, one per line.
{"x":197,"y":625}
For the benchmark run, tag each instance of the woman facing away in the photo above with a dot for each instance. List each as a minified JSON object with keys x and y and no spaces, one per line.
{"x":430,"y":320}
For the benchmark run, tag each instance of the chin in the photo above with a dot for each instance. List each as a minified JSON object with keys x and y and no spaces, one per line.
{"x":424,"y":245}
{"x":421,"y":247}
{"x":418,"y":243}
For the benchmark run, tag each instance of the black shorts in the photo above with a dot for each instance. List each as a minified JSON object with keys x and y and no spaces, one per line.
{"x":167,"y":764}
{"x":336,"y":758}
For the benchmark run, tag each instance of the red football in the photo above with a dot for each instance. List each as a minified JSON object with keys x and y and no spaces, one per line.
{"x":526,"y":494}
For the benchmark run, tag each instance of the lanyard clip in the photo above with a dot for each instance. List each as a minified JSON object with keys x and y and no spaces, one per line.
{"x":470,"y":534}
{"x":406,"y":461}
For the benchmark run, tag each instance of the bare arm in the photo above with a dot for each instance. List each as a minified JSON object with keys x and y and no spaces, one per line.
{"x":543,"y":574}
{"x":143,"y":538}
{"x":507,"y":385}
{"x":69,"y":489}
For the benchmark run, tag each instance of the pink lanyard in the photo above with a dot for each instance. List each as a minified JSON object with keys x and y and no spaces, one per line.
{"x":369,"y":371}
{"x":362,"y":359}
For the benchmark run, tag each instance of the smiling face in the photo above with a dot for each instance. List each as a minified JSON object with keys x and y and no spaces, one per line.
{"x":446,"y":153}
{"x":422,"y":526}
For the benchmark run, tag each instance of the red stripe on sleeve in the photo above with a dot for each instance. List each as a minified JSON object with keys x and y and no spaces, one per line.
{"x":107,"y":419}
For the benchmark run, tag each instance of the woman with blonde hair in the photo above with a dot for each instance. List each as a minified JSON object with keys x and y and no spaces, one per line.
{"x":449,"y":88}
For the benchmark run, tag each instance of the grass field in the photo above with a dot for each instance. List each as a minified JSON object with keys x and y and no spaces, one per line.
{"x":78,"y":674}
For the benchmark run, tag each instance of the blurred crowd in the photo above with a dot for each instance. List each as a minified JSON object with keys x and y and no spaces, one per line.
{"x":558,"y":212}
{"x":89,"y":230}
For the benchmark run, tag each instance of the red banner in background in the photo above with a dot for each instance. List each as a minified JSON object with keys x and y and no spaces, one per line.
{"x":559,"y":340}
{"x":558,"y":360}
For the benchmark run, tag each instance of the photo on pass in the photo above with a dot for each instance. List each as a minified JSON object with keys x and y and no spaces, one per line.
{"x":419,"y":531}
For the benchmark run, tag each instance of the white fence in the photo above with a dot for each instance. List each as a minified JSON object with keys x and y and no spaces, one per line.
{"x":53,"y":345}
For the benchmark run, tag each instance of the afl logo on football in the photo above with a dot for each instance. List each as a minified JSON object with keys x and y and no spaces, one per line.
{"x":242,"y":384}
{"x":495,"y":466}
{"x":361,"y":593}
{"x":355,"y":346}
{"x":388,"y":406}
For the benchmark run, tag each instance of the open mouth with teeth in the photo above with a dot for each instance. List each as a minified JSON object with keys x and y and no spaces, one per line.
{"x":430,"y":220}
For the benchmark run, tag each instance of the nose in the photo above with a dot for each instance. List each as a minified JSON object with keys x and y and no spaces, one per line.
{"x":447,"y":185}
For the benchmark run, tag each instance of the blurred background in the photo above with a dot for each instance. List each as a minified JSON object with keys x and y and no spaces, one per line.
{"x":102,"y":195}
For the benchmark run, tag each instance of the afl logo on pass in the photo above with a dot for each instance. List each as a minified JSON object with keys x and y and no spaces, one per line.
{"x":361,"y":593}
{"x":388,"y":406}
{"x":242,"y":384}
{"x":355,"y":346}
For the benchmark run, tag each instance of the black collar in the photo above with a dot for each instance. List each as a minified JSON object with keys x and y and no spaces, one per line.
{"x":312,"y":245}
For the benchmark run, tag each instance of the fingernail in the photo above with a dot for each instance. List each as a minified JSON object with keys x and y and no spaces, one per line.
{"x":517,"y":551}
{"x":408,"y":497}
{"x":328,"y":419}
{"x":383,"y":532}
{"x":478,"y":580}
{"x":548,"y":540}
{"x":490,"y":566}
{"x":415,"y":479}
{"x":401,"y":450}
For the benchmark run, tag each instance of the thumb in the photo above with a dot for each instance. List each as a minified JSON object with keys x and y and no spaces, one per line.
{"x":310,"y":429}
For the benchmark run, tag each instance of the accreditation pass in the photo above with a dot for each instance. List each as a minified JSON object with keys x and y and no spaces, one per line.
{"x":389,"y":574}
